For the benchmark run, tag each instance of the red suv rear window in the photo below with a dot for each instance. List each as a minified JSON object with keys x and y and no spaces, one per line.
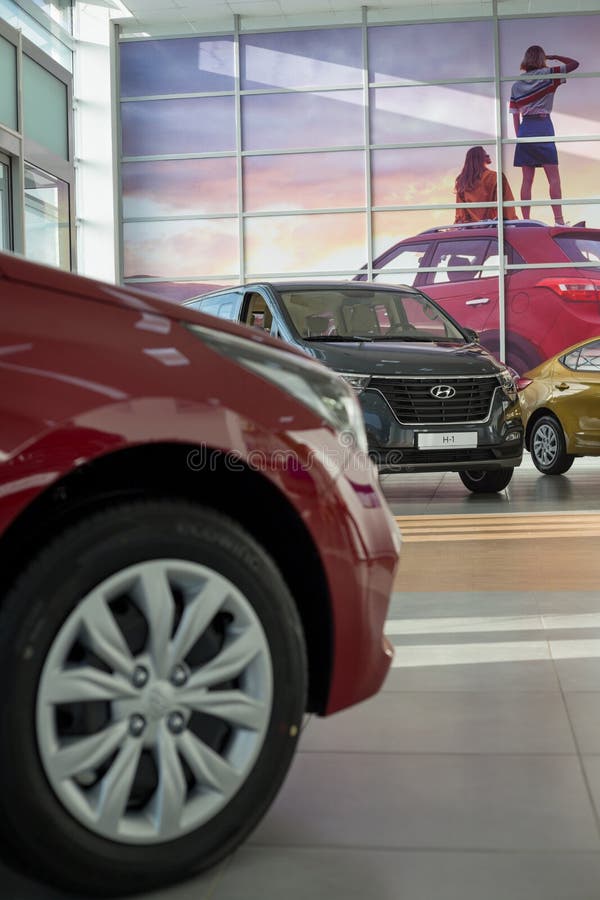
{"x":580,"y":249}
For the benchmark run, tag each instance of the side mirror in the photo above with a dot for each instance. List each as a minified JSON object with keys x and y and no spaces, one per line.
{"x":472,"y":336}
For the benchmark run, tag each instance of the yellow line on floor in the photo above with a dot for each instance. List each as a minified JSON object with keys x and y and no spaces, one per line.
{"x":469,"y":517}
{"x":499,"y":552}
{"x":493,"y":527}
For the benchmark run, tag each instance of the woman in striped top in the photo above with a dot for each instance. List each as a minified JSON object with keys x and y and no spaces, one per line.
{"x":531,"y":102}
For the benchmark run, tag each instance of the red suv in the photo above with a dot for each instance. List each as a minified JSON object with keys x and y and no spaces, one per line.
{"x":547,"y":309}
{"x":195,"y":552}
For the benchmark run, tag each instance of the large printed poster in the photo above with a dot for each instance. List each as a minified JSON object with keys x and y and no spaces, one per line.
{"x":313,"y":169}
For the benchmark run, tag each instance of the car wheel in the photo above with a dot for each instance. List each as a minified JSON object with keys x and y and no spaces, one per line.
{"x":484,"y":482}
{"x":157,"y":678}
{"x":519,"y":363}
{"x":521,"y":357}
{"x":548,"y":447}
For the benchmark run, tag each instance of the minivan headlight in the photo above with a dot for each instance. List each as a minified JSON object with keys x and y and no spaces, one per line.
{"x":508,"y":384}
{"x":321,"y":390}
{"x":358,"y":383}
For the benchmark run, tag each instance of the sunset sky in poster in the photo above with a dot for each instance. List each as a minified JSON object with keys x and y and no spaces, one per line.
{"x":401,"y":113}
{"x":176,"y":66}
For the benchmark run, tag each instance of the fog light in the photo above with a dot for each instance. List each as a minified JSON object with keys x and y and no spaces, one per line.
{"x":513,"y":436}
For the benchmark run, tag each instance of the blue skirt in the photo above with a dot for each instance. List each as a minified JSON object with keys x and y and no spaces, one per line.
{"x":541,"y":154}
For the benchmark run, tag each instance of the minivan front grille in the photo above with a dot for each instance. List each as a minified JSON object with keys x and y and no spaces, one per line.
{"x":413,"y":403}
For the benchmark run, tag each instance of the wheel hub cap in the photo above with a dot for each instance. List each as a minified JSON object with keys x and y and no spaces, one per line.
{"x":154,"y":701}
{"x":159,"y":700}
{"x":545,"y":445}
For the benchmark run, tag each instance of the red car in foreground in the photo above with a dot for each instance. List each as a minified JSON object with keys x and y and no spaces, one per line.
{"x":195,"y":552}
{"x":546,"y":308}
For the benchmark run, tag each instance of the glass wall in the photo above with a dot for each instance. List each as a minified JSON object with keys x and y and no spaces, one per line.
{"x":47,"y":24}
{"x":37,"y":173}
{"x":47,"y":238}
{"x":60,"y":11}
{"x":335,"y":153}
{"x":45,"y":117}
{"x":5,"y":217}
{"x":8,"y":80}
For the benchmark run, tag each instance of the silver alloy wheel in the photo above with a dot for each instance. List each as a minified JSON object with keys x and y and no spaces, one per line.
{"x":138,"y":709}
{"x":545,"y":445}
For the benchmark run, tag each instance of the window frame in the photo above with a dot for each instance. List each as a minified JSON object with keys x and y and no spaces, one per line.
{"x":20,"y":150}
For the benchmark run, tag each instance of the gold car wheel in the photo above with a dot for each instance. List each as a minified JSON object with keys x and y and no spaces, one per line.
{"x":548,"y":447}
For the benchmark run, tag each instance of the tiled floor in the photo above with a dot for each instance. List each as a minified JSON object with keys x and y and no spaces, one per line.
{"x":420,"y":494}
{"x":475,"y":773}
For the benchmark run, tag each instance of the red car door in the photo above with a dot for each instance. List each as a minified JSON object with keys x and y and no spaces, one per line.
{"x":465,"y":282}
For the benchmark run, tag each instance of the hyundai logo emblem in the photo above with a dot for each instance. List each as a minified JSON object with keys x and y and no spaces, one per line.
{"x":442,"y":392}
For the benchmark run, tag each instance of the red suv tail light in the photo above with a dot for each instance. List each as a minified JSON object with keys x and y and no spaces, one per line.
{"x":573,"y":289}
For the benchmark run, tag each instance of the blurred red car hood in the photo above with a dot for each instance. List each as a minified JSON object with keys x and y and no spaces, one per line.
{"x":18,"y":269}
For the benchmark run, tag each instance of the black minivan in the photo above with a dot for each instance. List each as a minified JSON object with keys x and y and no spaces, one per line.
{"x":433,"y":399}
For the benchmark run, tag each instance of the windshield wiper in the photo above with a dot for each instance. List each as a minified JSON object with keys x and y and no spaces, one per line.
{"x":339,"y":337}
{"x":422,"y":338}
{"x":408,"y":337}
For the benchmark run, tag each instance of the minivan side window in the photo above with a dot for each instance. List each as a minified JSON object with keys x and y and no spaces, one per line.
{"x":225,"y":306}
{"x":257,"y":312}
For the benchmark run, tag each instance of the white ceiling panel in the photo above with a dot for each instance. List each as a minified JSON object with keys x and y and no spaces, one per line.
{"x":182,"y":16}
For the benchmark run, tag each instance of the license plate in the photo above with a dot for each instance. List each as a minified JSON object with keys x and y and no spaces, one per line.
{"x":446,"y":439}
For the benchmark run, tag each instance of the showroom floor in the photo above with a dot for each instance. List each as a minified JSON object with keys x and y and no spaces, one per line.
{"x":475,"y":773}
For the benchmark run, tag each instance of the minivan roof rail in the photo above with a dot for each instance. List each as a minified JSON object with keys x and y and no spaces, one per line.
{"x":486,"y":223}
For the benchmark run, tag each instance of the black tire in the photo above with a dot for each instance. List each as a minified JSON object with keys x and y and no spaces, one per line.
{"x":548,"y":447}
{"x":39,"y":830}
{"x":519,"y":363}
{"x":481,"y":481}
{"x":521,"y":355}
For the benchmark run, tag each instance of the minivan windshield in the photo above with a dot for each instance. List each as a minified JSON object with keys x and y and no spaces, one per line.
{"x":321,"y":314}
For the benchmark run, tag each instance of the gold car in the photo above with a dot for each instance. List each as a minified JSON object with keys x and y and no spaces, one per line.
{"x":560,"y":402}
